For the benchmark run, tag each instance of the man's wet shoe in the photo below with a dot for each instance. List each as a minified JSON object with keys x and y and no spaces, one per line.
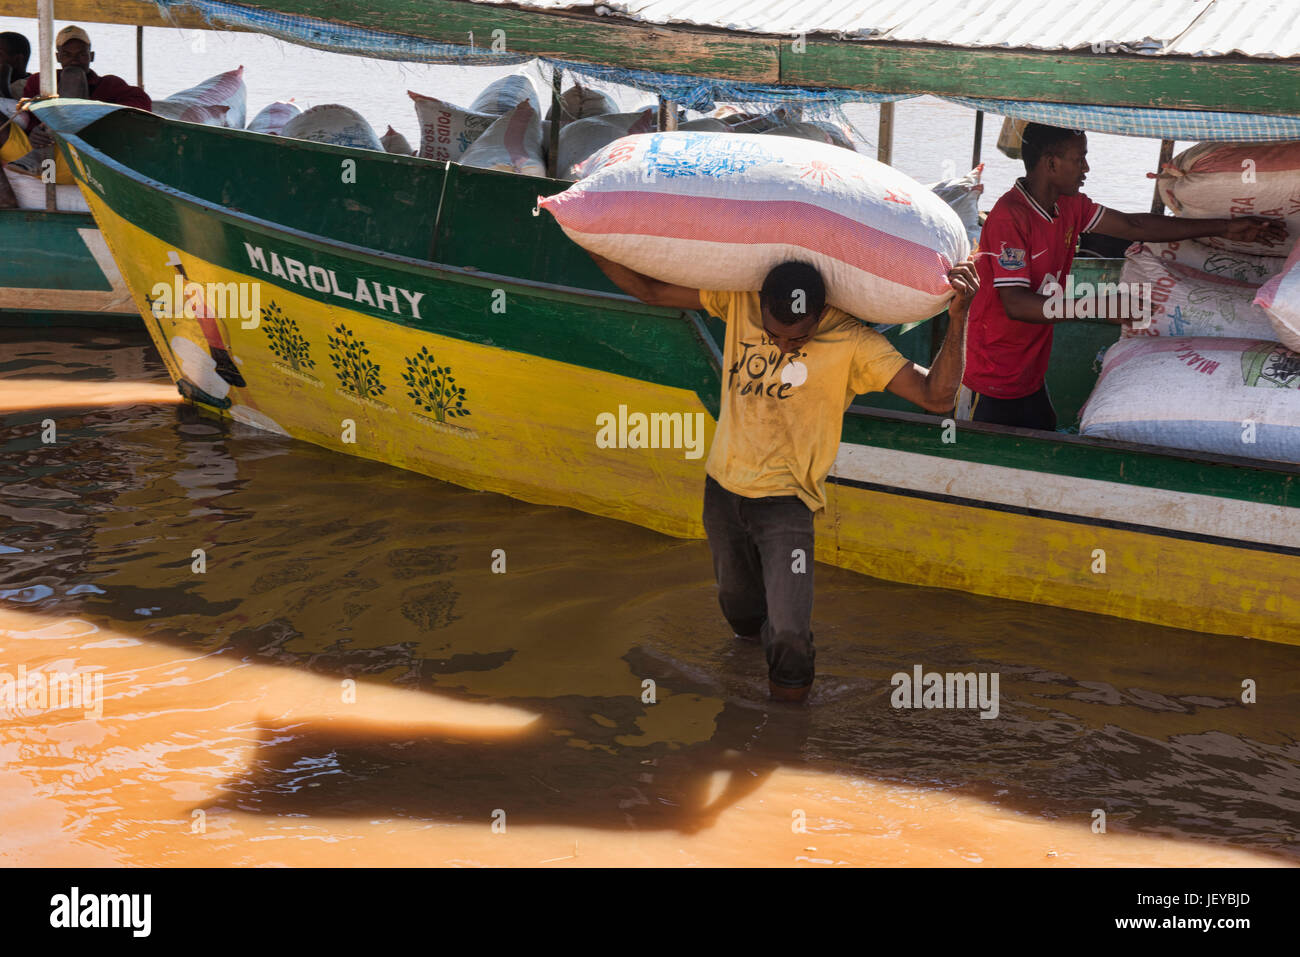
{"x":226,"y":368}
{"x":794,"y":695}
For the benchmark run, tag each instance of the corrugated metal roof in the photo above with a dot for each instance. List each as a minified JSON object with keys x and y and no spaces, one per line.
{"x":1256,"y":28}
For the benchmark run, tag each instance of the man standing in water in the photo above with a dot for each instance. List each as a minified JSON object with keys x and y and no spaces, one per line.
{"x":791,"y":367}
{"x":1026,"y":248}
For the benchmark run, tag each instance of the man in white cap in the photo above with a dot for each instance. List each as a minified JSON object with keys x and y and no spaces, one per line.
{"x":77,"y":80}
{"x":72,"y":50}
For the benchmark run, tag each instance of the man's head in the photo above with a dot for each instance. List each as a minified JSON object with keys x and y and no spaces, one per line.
{"x":72,"y":48}
{"x":793,"y":298}
{"x":1057,"y":155}
{"x":15,"y":51}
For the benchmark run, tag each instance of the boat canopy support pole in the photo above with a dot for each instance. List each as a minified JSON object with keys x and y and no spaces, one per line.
{"x":667,"y":115}
{"x":139,"y":57}
{"x":553,"y":146}
{"x":45,"y":37}
{"x":979,"y":139}
{"x":1166,"y":156}
{"x":885,"y":139}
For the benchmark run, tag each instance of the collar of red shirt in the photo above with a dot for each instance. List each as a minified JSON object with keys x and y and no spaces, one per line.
{"x":1038,"y":208}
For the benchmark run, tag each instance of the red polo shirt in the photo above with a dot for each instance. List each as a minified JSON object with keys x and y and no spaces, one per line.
{"x":1021,"y":244}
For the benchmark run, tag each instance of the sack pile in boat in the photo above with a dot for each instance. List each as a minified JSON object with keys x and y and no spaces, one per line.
{"x":719,"y":210}
{"x":503,"y":128}
{"x":1218,"y":368}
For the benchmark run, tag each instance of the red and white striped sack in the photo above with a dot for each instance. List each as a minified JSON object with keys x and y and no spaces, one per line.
{"x":1280,"y":298}
{"x":1226,"y":180}
{"x":220,"y":100}
{"x":719,"y":210}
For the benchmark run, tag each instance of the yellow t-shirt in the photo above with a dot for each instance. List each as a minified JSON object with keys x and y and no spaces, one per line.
{"x":781,"y":416}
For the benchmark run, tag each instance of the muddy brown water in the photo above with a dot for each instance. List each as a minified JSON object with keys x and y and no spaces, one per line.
{"x":349,"y":682}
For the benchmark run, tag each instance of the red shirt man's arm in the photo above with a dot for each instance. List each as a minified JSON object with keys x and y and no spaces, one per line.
{"x":114,"y":89}
{"x":32,"y":87}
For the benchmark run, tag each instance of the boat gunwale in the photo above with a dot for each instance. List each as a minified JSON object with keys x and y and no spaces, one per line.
{"x":622,"y":302}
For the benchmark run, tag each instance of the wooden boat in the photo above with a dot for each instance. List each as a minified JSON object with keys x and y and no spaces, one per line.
{"x":420,"y":314}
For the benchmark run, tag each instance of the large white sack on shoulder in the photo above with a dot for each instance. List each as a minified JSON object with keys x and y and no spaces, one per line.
{"x":225,"y":89}
{"x":335,"y":124}
{"x":582,"y":139}
{"x":719,"y":210}
{"x":1228,"y":396}
{"x":271,"y":118}
{"x":963,"y":195}
{"x":513,"y":144}
{"x":1185,"y":302}
{"x":505,"y":93}
{"x":1226,"y":180}
{"x":1280,"y":298}
{"x":447,"y":130}
{"x":394,"y":142}
{"x":579,"y":102}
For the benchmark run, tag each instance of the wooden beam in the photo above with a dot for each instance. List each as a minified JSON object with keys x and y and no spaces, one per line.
{"x":1166,"y":154}
{"x":137,"y":12}
{"x":557,"y":120}
{"x":979,"y":139}
{"x":667,"y":115}
{"x":1235,"y":84}
{"x":885,"y":138}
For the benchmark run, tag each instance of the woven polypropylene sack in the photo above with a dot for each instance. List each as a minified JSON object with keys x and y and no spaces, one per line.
{"x":333,"y":123}
{"x":447,"y":130}
{"x":271,"y":118}
{"x":582,"y":139}
{"x":1225,"y":180}
{"x":505,"y":93}
{"x":1280,"y":298}
{"x":719,"y":210}
{"x":223,"y":90}
{"x":1228,"y":396}
{"x":513,"y":144}
{"x":1189,"y":302}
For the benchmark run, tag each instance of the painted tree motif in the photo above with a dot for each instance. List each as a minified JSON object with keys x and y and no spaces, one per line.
{"x":287,"y":342}
{"x":433,"y":387}
{"x":356,"y":373}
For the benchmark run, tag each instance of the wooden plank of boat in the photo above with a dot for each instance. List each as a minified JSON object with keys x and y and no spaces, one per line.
{"x":486,"y":370}
{"x":58,"y":268}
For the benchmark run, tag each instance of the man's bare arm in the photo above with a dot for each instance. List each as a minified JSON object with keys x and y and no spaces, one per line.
{"x":935,"y":389}
{"x":650,"y":291}
{"x":1149,"y":227}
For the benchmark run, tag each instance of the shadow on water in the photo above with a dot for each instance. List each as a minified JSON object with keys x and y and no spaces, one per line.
{"x":346,"y":568}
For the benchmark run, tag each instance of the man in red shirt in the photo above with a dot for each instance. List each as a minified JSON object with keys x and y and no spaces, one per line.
{"x":72,"y":50}
{"x":1025,"y":251}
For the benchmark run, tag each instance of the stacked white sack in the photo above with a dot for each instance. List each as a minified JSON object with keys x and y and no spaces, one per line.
{"x":333,"y":123}
{"x":1280,"y":298}
{"x":1224,"y":180}
{"x":1186,"y":301}
{"x":1228,"y":396}
{"x":719,"y":210}
{"x":219,"y":100}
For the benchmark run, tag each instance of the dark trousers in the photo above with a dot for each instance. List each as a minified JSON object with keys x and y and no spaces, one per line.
{"x":765,"y":587}
{"x":1033,"y":411}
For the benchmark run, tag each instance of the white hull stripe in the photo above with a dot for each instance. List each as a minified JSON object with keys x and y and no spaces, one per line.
{"x":1207,"y":516}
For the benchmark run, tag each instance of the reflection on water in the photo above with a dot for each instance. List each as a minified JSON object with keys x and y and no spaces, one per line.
{"x":347,"y":681}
